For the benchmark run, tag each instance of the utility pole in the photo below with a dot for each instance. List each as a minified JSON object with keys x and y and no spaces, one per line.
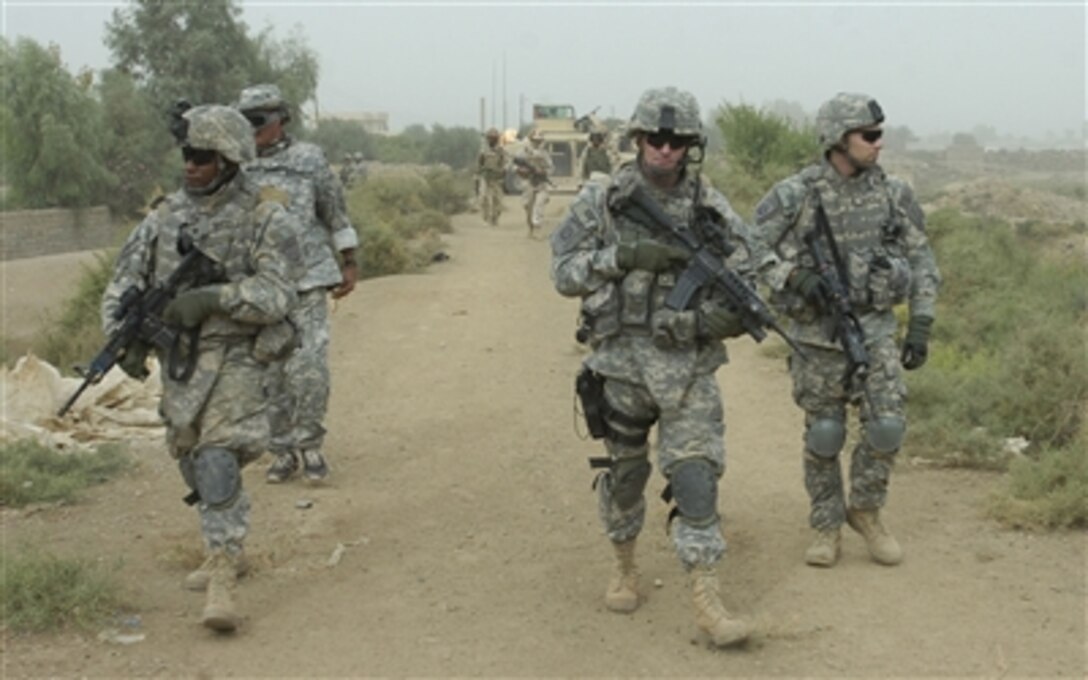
{"x":504,"y":89}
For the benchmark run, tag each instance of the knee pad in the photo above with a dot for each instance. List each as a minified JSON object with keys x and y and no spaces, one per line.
{"x":628,"y":481}
{"x":825,"y":437}
{"x":218,"y":478}
{"x":885,"y":434}
{"x":693,"y":484}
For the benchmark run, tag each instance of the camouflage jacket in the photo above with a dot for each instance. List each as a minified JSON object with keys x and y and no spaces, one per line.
{"x":316,"y":197}
{"x":879,"y":230}
{"x":253,"y":244}
{"x":634,"y":336}
{"x":595,"y":159}
{"x":540,"y":162}
{"x":491,"y":164}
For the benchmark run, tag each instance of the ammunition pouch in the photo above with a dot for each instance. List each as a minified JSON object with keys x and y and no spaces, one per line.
{"x":276,"y":341}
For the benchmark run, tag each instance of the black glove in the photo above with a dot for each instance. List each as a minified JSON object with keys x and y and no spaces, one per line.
{"x":189,"y":309}
{"x":810,"y":286}
{"x":134,"y":361}
{"x":916,"y":344}
{"x":649,"y":255}
{"x":721,"y":323}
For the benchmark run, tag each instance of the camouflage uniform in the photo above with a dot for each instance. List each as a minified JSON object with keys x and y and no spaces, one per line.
{"x":879,"y":230}
{"x":491,"y":169}
{"x":299,"y":386}
{"x":595,"y":159}
{"x":222,"y":405}
{"x":536,"y":195}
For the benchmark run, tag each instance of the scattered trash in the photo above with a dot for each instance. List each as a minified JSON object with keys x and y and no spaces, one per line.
{"x":337,"y":553}
{"x":304,"y":504}
{"x":658,"y":583}
{"x":115,"y":637}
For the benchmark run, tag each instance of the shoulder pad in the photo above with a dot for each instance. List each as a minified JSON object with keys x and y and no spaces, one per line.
{"x":784,"y":198}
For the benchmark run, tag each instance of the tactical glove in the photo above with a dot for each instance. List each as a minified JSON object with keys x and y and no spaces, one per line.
{"x":720,"y":323}
{"x":134,"y":361}
{"x":810,"y":286}
{"x":648,"y":255}
{"x":916,"y":344}
{"x":189,"y":309}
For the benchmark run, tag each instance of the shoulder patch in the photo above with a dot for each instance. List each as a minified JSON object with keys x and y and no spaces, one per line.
{"x":274,"y":194}
{"x":768,"y":207}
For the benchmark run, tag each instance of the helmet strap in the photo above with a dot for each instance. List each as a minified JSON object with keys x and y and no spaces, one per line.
{"x":225,"y":172}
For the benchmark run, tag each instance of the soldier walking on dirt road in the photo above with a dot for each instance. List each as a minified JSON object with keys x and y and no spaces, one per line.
{"x":299,"y":386}
{"x":651,"y":364}
{"x":212,"y":400}
{"x":841,"y":244}
{"x":491,"y":171}
{"x":535,"y":166}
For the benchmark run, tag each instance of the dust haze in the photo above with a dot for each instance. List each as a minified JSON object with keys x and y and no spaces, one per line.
{"x":1018,"y":71}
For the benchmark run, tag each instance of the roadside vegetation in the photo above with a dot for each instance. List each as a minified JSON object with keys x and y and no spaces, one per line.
{"x":1006,"y":385}
{"x":42,"y":592}
{"x":34,"y":473}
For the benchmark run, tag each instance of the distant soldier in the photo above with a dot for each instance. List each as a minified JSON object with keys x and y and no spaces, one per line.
{"x":844,"y":220}
{"x":300,"y":399}
{"x":595,"y":157}
{"x":535,"y":166}
{"x":490,"y":172}
{"x":215,"y":415}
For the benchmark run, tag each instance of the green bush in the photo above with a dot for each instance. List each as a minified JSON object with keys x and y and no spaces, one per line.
{"x":43,"y":592}
{"x":34,"y":473}
{"x":1049,"y":491}
{"x":75,"y":334}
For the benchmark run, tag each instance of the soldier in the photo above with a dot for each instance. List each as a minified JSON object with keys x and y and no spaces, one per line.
{"x":651,"y":364}
{"x":875,"y":235}
{"x":535,"y":166}
{"x":300,"y":390}
{"x":491,"y":170}
{"x":215,"y":417}
{"x":595,"y":157}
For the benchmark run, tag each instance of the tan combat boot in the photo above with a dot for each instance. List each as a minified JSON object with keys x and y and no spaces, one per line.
{"x":710,"y":614}
{"x":219,"y":612}
{"x":824,"y":549}
{"x":622,"y":594}
{"x":883,"y":547}
{"x":198,"y":578}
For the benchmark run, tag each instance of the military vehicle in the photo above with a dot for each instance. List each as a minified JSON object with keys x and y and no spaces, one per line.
{"x":565,"y":136}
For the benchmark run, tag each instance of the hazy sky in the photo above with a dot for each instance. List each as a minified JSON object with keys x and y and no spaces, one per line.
{"x":935,"y":66}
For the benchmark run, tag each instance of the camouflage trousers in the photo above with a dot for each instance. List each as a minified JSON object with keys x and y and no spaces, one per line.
{"x":298,"y":387}
{"x":695,"y":429}
{"x":491,"y":200}
{"x":535,"y":199}
{"x":818,"y":389}
{"x":233,"y":418}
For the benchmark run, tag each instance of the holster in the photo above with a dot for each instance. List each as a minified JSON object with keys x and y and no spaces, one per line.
{"x":590,"y":388}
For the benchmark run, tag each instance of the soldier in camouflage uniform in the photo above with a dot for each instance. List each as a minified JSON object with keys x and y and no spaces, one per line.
{"x":491,"y":171}
{"x":215,"y":419}
{"x":595,"y":157}
{"x":651,"y":364}
{"x":884,"y":258}
{"x":536,"y":170}
{"x":300,"y":391}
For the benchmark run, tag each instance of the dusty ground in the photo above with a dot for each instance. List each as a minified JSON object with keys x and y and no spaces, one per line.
{"x":461,"y":497}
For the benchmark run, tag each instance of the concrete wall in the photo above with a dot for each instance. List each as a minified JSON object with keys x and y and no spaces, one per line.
{"x":34,"y":233}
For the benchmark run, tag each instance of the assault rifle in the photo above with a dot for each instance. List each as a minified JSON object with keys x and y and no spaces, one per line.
{"x":525,"y":167}
{"x":706,"y":267}
{"x":846,"y":328}
{"x":140,"y":314}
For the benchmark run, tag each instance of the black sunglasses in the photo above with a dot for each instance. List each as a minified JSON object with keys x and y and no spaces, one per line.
{"x":660,"y":139}
{"x":198,"y":156}
{"x":258,"y":119}
{"x":871,"y":135}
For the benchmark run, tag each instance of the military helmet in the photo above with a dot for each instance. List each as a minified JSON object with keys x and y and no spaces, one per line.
{"x":222,"y":128}
{"x":265,"y":97}
{"x":492,"y":133}
{"x":844,"y":112}
{"x":535,"y":136}
{"x":666,"y":109}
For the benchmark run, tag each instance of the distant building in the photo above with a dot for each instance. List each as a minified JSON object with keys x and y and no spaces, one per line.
{"x":376,"y":122}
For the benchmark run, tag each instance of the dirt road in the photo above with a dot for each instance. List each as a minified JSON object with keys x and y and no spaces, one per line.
{"x":460,"y":499}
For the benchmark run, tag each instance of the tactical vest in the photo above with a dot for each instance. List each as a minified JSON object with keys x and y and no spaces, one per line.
{"x":492,"y":164}
{"x":869,"y":236}
{"x":597,"y":160}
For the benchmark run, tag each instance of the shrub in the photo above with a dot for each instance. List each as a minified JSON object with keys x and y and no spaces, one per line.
{"x":1049,"y":491}
{"x":75,"y":334}
{"x":34,"y":473}
{"x":42,"y":592}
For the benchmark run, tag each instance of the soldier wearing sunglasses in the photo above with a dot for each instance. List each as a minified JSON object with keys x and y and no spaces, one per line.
{"x":214,"y":413}
{"x":300,"y":385}
{"x":652,"y":364}
{"x":873,"y":232}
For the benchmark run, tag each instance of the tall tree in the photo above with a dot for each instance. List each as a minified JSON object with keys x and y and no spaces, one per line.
{"x":53,"y":136}
{"x":201,"y":51}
